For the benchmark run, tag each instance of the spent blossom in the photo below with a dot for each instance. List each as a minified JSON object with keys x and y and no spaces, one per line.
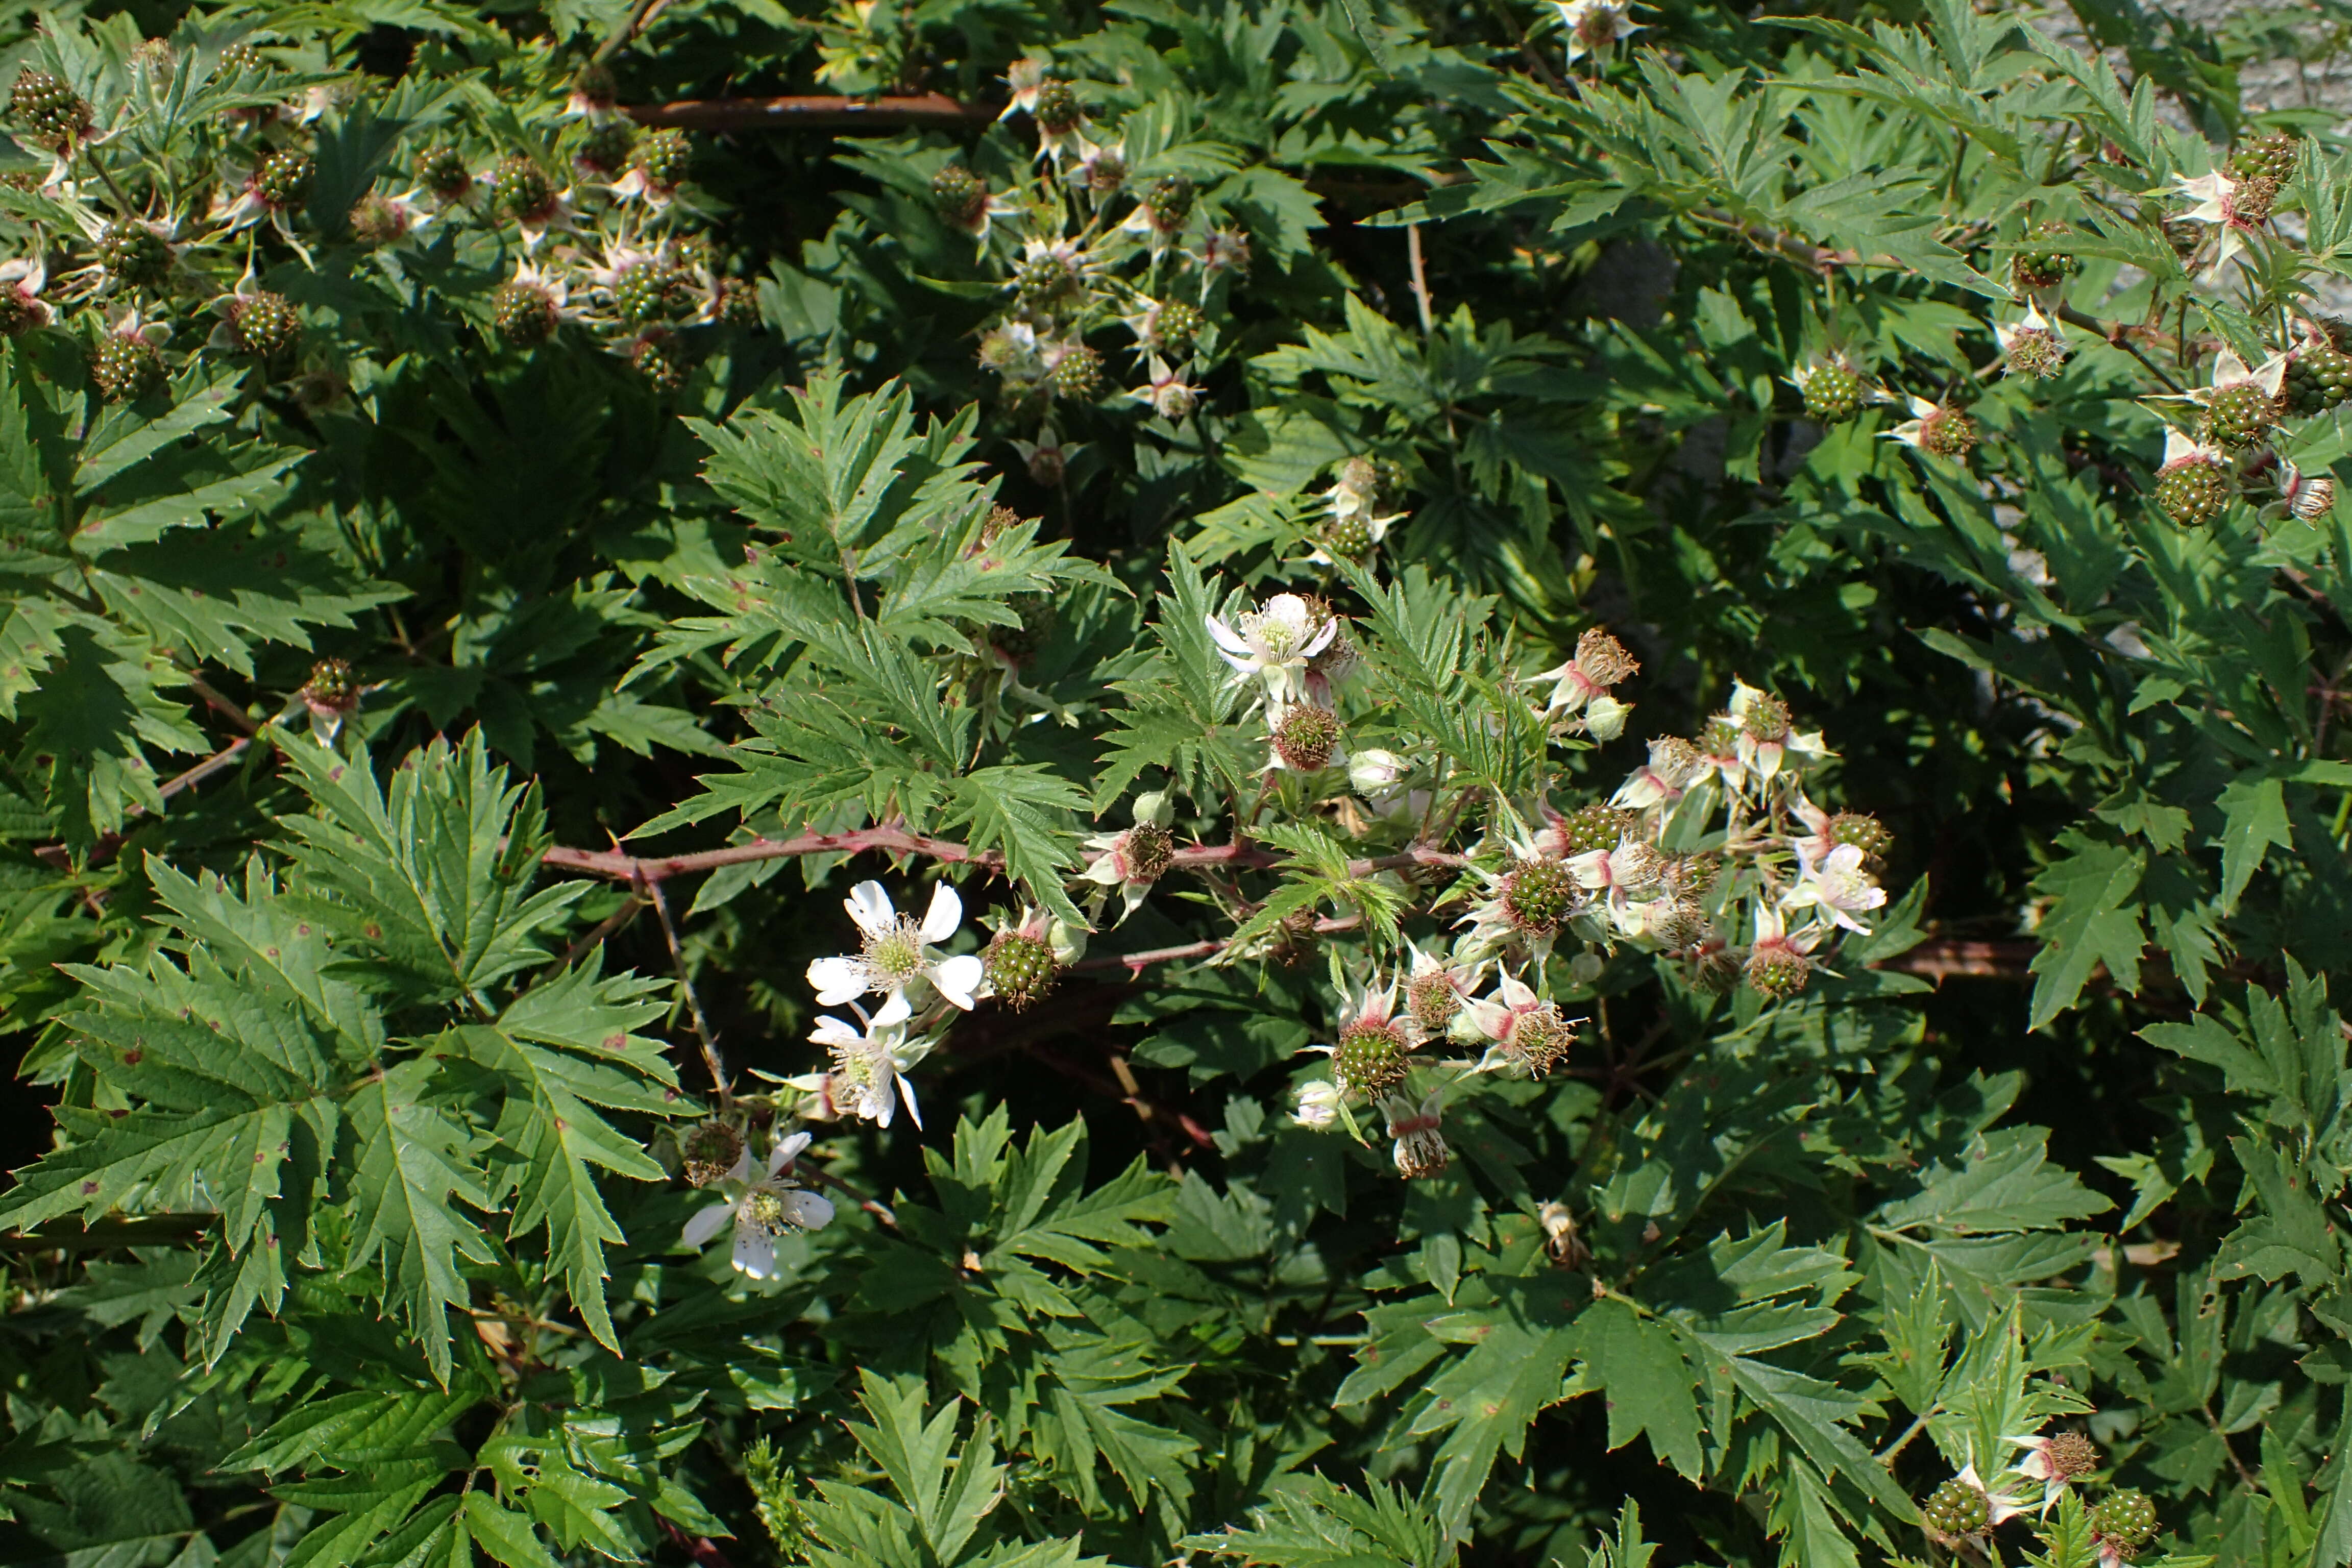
{"x":1421,"y":1149}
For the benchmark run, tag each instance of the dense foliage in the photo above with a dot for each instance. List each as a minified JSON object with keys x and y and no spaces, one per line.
{"x":1297,"y":784}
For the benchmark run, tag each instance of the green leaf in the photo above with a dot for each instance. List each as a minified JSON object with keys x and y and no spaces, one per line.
{"x":2092,"y":922}
{"x":413,"y":1159}
{"x":2254,"y":820}
{"x":1639,"y":1370}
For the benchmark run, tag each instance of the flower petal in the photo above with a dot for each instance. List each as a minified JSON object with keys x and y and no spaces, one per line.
{"x":755,"y":1253}
{"x":706,"y":1224}
{"x":907,"y":1093}
{"x":946,"y":913}
{"x":1226,"y":637}
{"x":808,"y":1211}
{"x":869,"y":905}
{"x":958,"y":978}
{"x":786,"y":1151}
{"x":896,"y":1010}
{"x":837,"y":979}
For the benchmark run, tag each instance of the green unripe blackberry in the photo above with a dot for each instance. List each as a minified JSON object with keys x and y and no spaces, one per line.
{"x":1044,"y":282}
{"x":522,"y":191}
{"x":1863,"y":832}
{"x":660,"y":360}
{"x":135,"y":254}
{"x":604,"y":148}
{"x":126,"y":368}
{"x":2318,"y":378}
{"x":2043,"y":264}
{"x":242,"y":58}
{"x":1058,"y":110}
{"x":1169,"y":201}
{"x":1539,"y":894}
{"x":1306,"y":738}
{"x":524,"y":314}
{"x":1948,"y":433}
{"x":19,"y":312}
{"x":1019,"y":969}
{"x":665,"y":155}
{"x":1767,"y":718}
{"x":442,"y":170}
{"x":2266,"y":157}
{"x":595,"y":88}
{"x":643,"y":292}
{"x":1371,"y":1055}
{"x":1151,"y":849}
{"x":264,"y":325}
{"x":1037,"y":621}
{"x":1176,"y":326}
{"x":53,"y":112}
{"x":283,"y":178}
{"x":2193,"y":491}
{"x":1105,"y":171}
{"x":1778,"y":973}
{"x":1349,"y":537}
{"x":1832,"y":394}
{"x":1957,"y":1508}
{"x":1076,"y":376}
{"x":1598,"y":826}
{"x":333,"y":687}
{"x":707,"y":1153}
{"x":2239,"y":416}
{"x":739,"y":303}
{"x":2125,"y":1519}
{"x":962,"y":195}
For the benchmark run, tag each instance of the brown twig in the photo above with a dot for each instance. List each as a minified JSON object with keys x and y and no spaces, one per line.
{"x":639,"y":14}
{"x":104,"y":849}
{"x":817,"y":112}
{"x":223,"y":706}
{"x":651,"y":870}
{"x":1420,"y":278}
{"x":693,"y":1003}
{"x":1135,"y":962}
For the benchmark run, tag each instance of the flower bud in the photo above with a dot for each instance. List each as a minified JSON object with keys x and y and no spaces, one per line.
{"x":1605,"y":717}
{"x":1372,"y":769}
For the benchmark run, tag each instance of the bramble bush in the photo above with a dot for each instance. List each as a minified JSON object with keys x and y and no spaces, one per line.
{"x":1305,"y":784}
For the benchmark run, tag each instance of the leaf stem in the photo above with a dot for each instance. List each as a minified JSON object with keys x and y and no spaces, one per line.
{"x":653,"y":890}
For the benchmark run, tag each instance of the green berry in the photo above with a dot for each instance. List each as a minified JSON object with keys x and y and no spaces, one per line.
{"x":442,"y":170}
{"x":524,"y":314}
{"x":1539,"y":894}
{"x":2268,"y":157}
{"x":333,"y":686}
{"x":1370,"y":1056}
{"x":264,"y":325}
{"x":2239,"y":416}
{"x":1596,"y":826}
{"x":665,"y":157}
{"x":1037,"y":620}
{"x":2126,"y":1520}
{"x":1349,"y":537}
{"x":19,"y":312}
{"x":2042,"y":263}
{"x":52,"y":111}
{"x":1956,"y":1508}
{"x":659,"y":360}
{"x":1059,"y":111}
{"x":1948,"y":433}
{"x":604,"y":147}
{"x":523,"y":192}
{"x":1833,"y":394}
{"x":962,"y":195}
{"x":739,"y":303}
{"x":1076,"y":376}
{"x":126,"y":368}
{"x":1176,"y":326}
{"x":1169,"y":201}
{"x":1306,"y":738}
{"x":1020,"y":970}
{"x":645,"y":292}
{"x":1864,"y":833}
{"x":2193,"y":491}
{"x":243,"y":58}
{"x":1778,"y":973}
{"x":283,"y":178}
{"x":135,"y":254}
{"x":2318,"y":379}
{"x":1044,"y":282}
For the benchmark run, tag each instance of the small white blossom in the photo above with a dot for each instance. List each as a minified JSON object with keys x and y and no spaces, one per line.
{"x":900,"y":954}
{"x":762,"y":1210}
{"x":2217,"y":203}
{"x":1273,"y":644}
{"x":1023,"y":78}
{"x":1836,"y":886}
{"x":870,"y":1060}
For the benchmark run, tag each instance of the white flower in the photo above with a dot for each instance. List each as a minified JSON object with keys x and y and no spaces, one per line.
{"x":2217,"y":204}
{"x":1318,"y":1105}
{"x":1594,"y":27}
{"x":762,"y":1210}
{"x":1835,"y":885}
{"x":1421,"y":1149}
{"x":1273,"y":644}
{"x":869,"y":1061}
{"x":899,"y":955}
{"x":1023,"y":78}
